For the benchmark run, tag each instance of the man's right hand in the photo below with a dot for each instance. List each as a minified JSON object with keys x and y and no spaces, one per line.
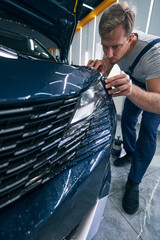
{"x":97,"y":65}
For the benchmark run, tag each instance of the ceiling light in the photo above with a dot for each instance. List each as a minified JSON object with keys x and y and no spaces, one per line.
{"x":87,"y":6}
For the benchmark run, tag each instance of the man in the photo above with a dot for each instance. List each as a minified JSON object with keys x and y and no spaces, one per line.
{"x":138,"y":55}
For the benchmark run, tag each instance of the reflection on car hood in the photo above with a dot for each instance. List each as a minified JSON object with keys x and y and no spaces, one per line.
{"x":55,"y":19}
{"x":60,"y":80}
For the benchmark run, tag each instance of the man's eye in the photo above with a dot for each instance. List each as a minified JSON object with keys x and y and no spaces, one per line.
{"x":105,"y":47}
{"x":115,"y":46}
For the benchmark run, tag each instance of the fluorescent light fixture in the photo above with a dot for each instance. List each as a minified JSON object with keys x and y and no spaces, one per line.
{"x":86,"y":57}
{"x":94,"y":38}
{"x":149,"y":16}
{"x":8,"y":54}
{"x":87,"y":6}
{"x":80,"y":47}
{"x":32,"y":44}
{"x":70,"y":55}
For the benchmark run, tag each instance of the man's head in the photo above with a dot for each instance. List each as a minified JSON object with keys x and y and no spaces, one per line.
{"x":115,"y":29}
{"x":115,"y":15}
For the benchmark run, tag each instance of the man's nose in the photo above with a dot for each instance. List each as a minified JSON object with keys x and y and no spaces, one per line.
{"x":109,"y":53}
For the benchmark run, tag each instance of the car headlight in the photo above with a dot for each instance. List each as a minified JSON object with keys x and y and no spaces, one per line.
{"x":89,"y":101}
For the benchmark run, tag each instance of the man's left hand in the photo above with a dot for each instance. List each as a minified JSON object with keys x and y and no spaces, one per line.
{"x":120,"y":85}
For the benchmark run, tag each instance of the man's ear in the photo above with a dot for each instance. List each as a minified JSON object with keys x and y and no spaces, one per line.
{"x":131,"y":37}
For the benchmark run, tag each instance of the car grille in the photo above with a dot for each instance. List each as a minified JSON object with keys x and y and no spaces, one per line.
{"x":32,"y":149}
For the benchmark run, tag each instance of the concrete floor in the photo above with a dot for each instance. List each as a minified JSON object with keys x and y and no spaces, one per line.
{"x":143,"y":225}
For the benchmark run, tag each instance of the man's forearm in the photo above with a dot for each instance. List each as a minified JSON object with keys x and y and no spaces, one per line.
{"x":121,"y":85}
{"x":148,"y":101}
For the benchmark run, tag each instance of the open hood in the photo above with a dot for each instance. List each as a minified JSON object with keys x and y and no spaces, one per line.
{"x":56,"y":19}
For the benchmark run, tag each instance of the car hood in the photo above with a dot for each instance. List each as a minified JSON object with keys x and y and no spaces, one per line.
{"x":49,"y":80}
{"x":55,"y":19}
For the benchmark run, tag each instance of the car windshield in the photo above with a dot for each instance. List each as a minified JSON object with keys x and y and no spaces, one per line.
{"x":24,"y":45}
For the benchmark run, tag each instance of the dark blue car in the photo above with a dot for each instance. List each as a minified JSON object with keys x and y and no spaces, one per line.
{"x":57,"y":125}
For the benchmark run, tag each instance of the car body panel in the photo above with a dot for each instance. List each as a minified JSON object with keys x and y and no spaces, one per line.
{"x":57,"y":125}
{"x":73,"y":192}
{"x":60,"y":79}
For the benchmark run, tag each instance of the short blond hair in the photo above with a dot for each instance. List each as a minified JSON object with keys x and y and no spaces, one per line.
{"x":116,"y":14}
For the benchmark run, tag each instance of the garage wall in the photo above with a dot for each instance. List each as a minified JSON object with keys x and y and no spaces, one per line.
{"x":86,"y":43}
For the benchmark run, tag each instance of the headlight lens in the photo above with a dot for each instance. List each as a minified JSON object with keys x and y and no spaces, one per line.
{"x":90,"y":99}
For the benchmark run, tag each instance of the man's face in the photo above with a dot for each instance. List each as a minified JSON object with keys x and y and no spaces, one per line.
{"x":115,"y":45}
